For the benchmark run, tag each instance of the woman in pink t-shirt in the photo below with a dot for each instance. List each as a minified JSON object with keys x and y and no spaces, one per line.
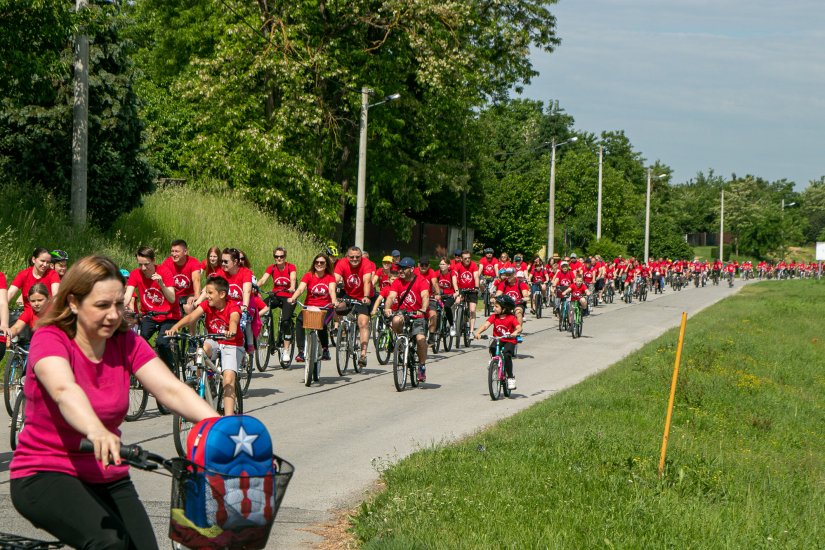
{"x":77,"y":386}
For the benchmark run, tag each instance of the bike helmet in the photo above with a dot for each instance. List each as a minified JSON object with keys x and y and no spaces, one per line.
{"x":124,"y":273}
{"x":488,"y":250}
{"x":506,"y":302}
{"x":59,"y":256}
{"x":508,"y":270}
{"x":331,"y":250}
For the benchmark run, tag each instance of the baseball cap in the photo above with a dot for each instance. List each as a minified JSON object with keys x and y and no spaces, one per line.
{"x":406,"y":262}
{"x":387,"y":259}
{"x":395,"y":253}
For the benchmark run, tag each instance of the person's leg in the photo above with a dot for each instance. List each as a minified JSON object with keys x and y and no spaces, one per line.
{"x":363,"y":328}
{"x":287,"y":310}
{"x":231,"y":357}
{"x":75,"y":514}
{"x":507,"y":350}
{"x":163,"y":344}
{"x":300,"y":335}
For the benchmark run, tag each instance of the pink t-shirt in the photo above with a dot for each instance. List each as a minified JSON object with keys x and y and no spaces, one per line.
{"x":48,"y":442}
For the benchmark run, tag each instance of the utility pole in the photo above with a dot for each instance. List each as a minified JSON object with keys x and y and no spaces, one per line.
{"x":599,"y":208}
{"x":551,"y":209}
{"x":80,"y":126}
{"x":361,"y":192}
{"x":722,"y":228}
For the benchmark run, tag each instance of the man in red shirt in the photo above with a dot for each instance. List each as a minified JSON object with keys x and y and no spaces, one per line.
{"x":431,"y":276}
{"x":156,"y":293}
{"x":465,"y":278}
{"x":186,"y":274}
{"x":413,"y":295}
{"x":356,"y":277}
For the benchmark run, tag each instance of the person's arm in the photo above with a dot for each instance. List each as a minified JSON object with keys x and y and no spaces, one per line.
{"x":247,"y":294}
{"x":476,"y":279}
{"x":156,"y":377}
{"x":389,"y":302}
{"x":367,"y":288}
{"x":425,"y":300}
{"x":168,"y":291}
{"x":15,"y":329}
{"x":234,"y":321}
{"x":55,"y":287}
{"x":127,"y":295}
{"x":455,"y":286}
{"x":293,"y":278}
{"x":4,"y":310}
{"x":377,"y":306}
{"x":517,"y":331}
{"x":264,"y":278}
{"x":333,"y":293}
{"x":196,"y":282}
{"x":189,"y":318}
{"x":298,"y":291}
{"x":481,"y":329}
{"x":11,"y":293}
{"x":55,"y":375}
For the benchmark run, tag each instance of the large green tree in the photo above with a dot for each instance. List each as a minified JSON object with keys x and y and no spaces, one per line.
{"x":36,"y":105}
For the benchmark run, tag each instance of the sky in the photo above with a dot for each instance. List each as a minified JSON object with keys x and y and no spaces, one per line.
{"x":734,"y":86}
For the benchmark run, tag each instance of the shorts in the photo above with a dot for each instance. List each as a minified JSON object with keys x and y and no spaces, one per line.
{"x":231,"y":356}
{"x":419,"y":326}
{"x":599,"y":284}
{"x":360,"y":308}
{"x":472,"y":297}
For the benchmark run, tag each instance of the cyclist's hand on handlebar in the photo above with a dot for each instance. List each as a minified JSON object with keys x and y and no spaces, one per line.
{"x":387,"y":312}
{"x":171,"y":332}
{"x":365,"y":300}
{"x":107,"y":446}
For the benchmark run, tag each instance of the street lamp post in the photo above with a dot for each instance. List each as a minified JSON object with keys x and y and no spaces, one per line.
{"x":361,"y":192}
{"x":647,"y":214}
{"x":782,"y":221}
{"x":551,"y":214}
{"x":599,"y":207}
{"x":722,"y":228}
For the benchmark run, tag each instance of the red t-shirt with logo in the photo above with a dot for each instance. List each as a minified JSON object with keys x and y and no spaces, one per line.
{"x":589,"y":274}
{"x":503,"y":326}
{"x":25,"y":279}
{"x":513,"y":290}
{"x":280,"y":278}
{"x":466,"y":275}
{"x":236,"y":282}
{"x":488,"y":267}
{"x":577,"y":291}
{"x":150,"y":295}
{"x":445,"y":282}
{"x":182,"y":275}
{"x":383,"y":279}
{"x":538,"y":274}
{"x":431,"y":276}
{"x":318,"y":289}
{"x":565,"y":279}
{"x":413,"y":301}
{"x":217,"y":321}
{"x":354,"y":277}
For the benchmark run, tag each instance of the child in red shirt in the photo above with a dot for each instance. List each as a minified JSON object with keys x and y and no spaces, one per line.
{"x":38,"y":296}
{"x":505,"y":327}
{"x":222,"y":317}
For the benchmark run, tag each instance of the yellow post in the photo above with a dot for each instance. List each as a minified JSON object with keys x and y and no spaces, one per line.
{"x":672,"y":393}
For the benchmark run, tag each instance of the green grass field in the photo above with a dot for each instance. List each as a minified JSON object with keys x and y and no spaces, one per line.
{"x":745,"y":466}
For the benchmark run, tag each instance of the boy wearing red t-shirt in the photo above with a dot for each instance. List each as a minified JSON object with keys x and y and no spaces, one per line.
{"x":222,"y":317}
{"x":505,"y":327}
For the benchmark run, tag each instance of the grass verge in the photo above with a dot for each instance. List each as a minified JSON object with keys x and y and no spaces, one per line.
{"x":746,"y":458}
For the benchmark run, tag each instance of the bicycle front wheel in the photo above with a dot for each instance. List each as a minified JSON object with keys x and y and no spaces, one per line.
{"x":342,"y":351}
{"x":458,"y":322}
{"x":180,"y":433}
{"x":493,"y":382}
{"x":262,"y":345}
{"x":238,"y":408}
{"x":138,"y":397}
{"x":245,"y":372}
{"x":399,"y":364}
{"x":12,"y":381}
{"x":311,"y":352}
{"x":384,"y":347}
{"x":18,"y":419}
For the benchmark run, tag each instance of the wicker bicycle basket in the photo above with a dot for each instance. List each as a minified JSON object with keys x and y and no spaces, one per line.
{"x":314,"y":318}
{"x":214,"y":510}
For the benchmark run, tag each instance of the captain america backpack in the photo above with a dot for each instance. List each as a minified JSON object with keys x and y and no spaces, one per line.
{"x":227,"y":497}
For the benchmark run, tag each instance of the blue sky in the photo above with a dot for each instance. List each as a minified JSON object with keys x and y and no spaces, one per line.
{"x":730,"y":85}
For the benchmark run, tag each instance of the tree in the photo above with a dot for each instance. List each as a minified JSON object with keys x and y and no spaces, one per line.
{"x":813,"y":208}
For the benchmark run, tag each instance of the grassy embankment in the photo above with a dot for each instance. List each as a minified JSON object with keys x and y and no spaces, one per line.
{"x":746,"y":459}
{"x":202,"y":219}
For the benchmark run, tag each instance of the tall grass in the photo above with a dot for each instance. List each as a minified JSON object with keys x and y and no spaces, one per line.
{"x":212,"y":218}
{"x":746,"y":459}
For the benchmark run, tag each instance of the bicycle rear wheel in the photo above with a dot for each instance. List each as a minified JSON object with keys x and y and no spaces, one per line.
{"x":399,"y":364}
{"x":263,"y":351}
{"x":458,"y":323}
{"x":18,"y":419}
{"x":342,"y":351}
{"x":138,"y":397}
{"x":384,"y":347}
{"x":537,"y":304}
{"x":311,"y":353}
{"x":355,"y":347}
{"x":12,"y":381}
{"x":245,"y":372}
{"x":493,"y":383}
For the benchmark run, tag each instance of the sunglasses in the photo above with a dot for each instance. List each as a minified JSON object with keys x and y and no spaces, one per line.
{"x":279,"y":256}
{"x":355,"y":257}
{"x":320,"y":262}
{"x":224,"y":261}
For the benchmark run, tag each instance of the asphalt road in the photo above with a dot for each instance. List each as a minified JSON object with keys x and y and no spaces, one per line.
{"x":341,"y":432}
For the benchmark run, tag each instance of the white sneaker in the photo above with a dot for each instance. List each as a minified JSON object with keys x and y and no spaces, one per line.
{"x":452,"y":331}
{"x":285,"y":355}
{"x":511,"y":383}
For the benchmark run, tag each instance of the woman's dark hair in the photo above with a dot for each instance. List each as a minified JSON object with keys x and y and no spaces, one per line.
{"x":78,"y":282}
{"x":233,"y":253}
{"x":244,"y":260}
{"x":39,"y":251}
{"x":38,"y":288}
{"x":328,"y":269}
{"x":279,"y":249}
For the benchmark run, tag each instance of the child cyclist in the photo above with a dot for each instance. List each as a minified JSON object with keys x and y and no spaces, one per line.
{"x":38,"y":299}
{"x":507,"y":328}
{"x":223,"y":316}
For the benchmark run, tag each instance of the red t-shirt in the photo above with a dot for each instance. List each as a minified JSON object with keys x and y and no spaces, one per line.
{"x":182,"y":276}
{"x":565,"y":279}
{"x":29,"y":317}
{"x":431,"y":276}
{"x":385,"y":292}
{"x":383,"y":279}
{"x":503,"y":326}
{"x":466,"y":275}
{"x":318,"y":289}
{"x":488,"y":267}
{"x":577,"y":291}
{"x":589,"y":274}
{"x":150,"y":295}
{"x":236,"y":282}
{"x":217,"y":321}
{"x":26,"y":279}
{"x":413,"y":300}
{"x":3,"y":284}
{"x":354,"y":278}
{"x":280,"y":278}
{"x":538,"y":274}
{"x":513,"y":290}
{"x":49,"y":443}
{"x":445,"y":281}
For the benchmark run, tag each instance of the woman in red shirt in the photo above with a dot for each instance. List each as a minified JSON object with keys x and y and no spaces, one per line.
{"x":212,"y":263}
{"x":39,"y":271}
{"x":320,"y":286}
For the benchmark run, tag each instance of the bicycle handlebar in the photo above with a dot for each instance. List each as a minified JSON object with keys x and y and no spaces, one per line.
{"x":134,"y":455}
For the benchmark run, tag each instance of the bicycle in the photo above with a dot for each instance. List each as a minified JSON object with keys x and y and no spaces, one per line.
{"x":382,"y":338}
{"x":563,"y":316}
{"x":13,"y":374}
{"x":496,"y":374}
{"x":641,"y":290}
{"x":405,"y":356}
{"x":271,"y":340}
{"x":314,"y":319}
{"x":575,"y":321}
{"x":443,"y":336}
{"x":347,"y":343}
{"x":730,"y":279}
{"x":538,"y":299}
{"x":18,"y":417}
{"x":609,"y":291}
{"x":461,"y":322}
{"x":205,"y":377}
{"x":487,"y":282}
